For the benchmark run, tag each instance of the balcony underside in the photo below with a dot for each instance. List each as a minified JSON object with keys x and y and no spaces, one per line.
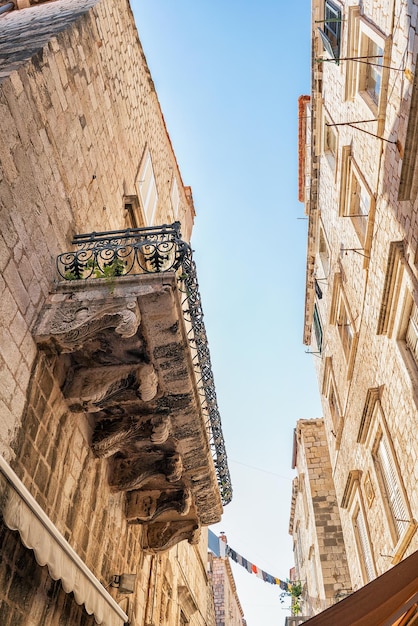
{"x":127,"y":361}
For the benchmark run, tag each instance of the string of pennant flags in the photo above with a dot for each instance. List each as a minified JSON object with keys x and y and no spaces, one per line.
{"x":220,"y":548}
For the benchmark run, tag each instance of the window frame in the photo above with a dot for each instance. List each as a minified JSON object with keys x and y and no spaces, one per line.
{"x":175,"y":198}
{"x":342,"y":319}
{"x":373,"y":429}
{"x":329,"y":388}
{"x":318,"y":328}
{"x":363,"y":543}
{"x":329,"y":148}
{"x":323,"y":253}
{"x":352,"y":501}
{"x":331,"y":31}
{"x":398,"y":302}
{"x":147,"y":188}
{"x":368,"y":32}
{"x":391,"y":486}
{"x":363,"y":223}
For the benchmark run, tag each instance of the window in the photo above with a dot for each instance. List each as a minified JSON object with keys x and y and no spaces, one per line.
{"x":351,"y":67}
{"x":363,"y":544}
{"x":342,"y":319}
{"x":317,"y":326}
{"x":392,"y":491}
{"x":147,"y":189}
{"x":323,"y":253}
{"x":345,"y":329}
{"x":175,"y":198}
{"x":391,"y":288}
{"x":131,"y":212}
{"x":329,"y":390}
{"x":330,"y":142}
{"x":356,"y":199}
{"x":331,"y":32}
{"x":411,"y":335}
{"x":352,"y":500}
{"x":398,"y":523}
{"x":371,"y":74}
{"x":399,"y":312}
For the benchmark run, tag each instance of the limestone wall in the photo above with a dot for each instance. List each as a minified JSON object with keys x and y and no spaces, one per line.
{"x":321,"y":561}
{"x":356,"y":418}
{"x":79,"y":112}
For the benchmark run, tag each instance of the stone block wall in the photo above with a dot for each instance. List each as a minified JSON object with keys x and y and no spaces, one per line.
{"x":228,"y":611}
{"x":359,"y":274}
{"x":79,"y":111}
{"x":315,"y":522}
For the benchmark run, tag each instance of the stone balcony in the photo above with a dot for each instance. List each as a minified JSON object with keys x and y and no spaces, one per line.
{"x":127,"y":324}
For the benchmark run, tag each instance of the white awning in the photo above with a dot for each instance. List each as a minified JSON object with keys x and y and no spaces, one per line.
{"x":21,"y":512}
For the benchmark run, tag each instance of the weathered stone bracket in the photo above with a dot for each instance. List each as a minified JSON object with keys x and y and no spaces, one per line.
{"x":164,"y":535}
{"x":145,"y":506}
{"x":126,"y":361}
{"x":72,"y":324}
{"x":116,"y":437}
{"x":132,"y":473}
{"x":92,"y":388}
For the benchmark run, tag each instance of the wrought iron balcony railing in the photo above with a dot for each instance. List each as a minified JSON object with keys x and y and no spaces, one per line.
{"x":150,"y":250}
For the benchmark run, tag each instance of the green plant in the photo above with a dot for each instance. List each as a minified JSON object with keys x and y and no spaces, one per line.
{"x":114,"y":268}
{"x":295,"y":594}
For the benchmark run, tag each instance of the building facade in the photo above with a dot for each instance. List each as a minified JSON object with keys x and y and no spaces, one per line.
{"x":112,"y":456}
{"x":228,"y":609}
{"x":357,"y":154}
{"x":315,"y":524}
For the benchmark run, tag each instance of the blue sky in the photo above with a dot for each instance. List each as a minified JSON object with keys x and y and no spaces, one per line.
{"x":228,"y":76}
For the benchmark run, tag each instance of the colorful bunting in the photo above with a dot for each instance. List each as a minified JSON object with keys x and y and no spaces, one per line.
{"x":250,"y":567}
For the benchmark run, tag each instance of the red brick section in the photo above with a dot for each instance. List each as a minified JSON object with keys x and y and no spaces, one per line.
{"x":302,"y":102}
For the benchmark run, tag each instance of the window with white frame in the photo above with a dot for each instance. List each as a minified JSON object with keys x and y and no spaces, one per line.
{"x":363,"y":544}
{"x":375,"y":434}
{"x":371,"y":70}
{"x":371,"y":75}
{"x":390,"y":483}
{"x":147,"y":189}
{"x":331,"y":29}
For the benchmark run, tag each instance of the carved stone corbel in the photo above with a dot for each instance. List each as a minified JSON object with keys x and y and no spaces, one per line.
{"x":92,"y":388}
{"x":70,"y":324}
{"x":145,"y":506}
{"x":160,"y":536}
{"x":115,"y":436}
{"x":132,"y":473}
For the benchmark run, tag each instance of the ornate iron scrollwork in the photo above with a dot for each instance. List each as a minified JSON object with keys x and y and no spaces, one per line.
{"x":153,"y":250}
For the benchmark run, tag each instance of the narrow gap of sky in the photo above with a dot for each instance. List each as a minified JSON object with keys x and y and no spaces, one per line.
{"x":228,"y":76}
